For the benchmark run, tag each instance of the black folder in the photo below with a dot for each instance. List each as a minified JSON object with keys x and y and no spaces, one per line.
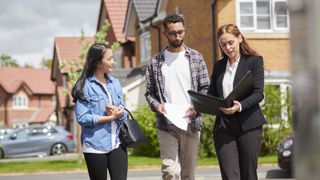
{"x":210,"y":104}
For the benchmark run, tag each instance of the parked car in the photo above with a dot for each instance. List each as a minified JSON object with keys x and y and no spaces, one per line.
{"x":5,"y":132}
{"x":285,"y":153}
{"x":37,"y":140}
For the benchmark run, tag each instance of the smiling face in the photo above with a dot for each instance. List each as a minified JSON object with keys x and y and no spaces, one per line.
{"x":230,"y":45}
{"x":107,"y":62}
{"x":175,"y":33}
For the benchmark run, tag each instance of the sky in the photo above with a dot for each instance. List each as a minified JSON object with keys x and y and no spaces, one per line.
{"x":28,"y":27}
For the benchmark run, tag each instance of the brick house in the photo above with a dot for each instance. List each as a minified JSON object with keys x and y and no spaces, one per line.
{"x":26,"y":97}
{"x":265,"y":24}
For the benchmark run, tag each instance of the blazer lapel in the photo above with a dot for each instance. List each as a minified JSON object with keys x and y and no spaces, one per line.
{"x":241,"y":71}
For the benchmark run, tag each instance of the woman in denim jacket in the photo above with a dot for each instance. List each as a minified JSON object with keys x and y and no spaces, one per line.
{"x":99,"y":109}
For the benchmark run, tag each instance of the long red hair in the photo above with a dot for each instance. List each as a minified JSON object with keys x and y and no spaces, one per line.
{"x":245,"y":49}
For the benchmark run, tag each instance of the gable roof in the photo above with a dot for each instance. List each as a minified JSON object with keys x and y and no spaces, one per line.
{"x":36,"y":80}
{"x":69,"y":48}
{"x":141,"y":10}
{"x":145,"y":9}
{"x":115,"y":12}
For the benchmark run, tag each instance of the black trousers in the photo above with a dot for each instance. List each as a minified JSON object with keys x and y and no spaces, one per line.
{"x":237,"y":151}
{"x":116,"y":162}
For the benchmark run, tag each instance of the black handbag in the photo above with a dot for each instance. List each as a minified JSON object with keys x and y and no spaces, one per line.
{"x":131,"y":135}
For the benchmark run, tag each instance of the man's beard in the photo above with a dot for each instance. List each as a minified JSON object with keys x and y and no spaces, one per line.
{"x":176,"y":44}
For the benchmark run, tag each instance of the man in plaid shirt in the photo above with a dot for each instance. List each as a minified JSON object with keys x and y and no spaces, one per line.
{"x":170,"y":74}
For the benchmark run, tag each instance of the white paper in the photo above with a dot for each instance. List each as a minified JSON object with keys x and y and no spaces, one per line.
{"x":175,"y":113}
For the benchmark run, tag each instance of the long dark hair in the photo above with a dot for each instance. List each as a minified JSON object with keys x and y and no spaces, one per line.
{"x":245,"y":49}
{"x":94,"y":57}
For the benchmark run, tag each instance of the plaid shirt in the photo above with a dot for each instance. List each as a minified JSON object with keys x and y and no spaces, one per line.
{"x":155,"y":84}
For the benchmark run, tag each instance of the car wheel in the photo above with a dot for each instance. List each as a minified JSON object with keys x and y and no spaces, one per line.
{"x":58,"y":149}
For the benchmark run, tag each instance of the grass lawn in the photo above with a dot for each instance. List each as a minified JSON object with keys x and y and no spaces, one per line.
{"x":73,"y":165}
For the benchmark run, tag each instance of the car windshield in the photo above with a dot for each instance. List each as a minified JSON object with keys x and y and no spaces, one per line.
{"x":5,"y":133}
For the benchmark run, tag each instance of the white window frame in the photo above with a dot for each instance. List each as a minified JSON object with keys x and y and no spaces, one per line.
{"x":20,"y":102}
{"x":275,"y":18}
{"x":273,"y":27}
{"x":145,"y":46}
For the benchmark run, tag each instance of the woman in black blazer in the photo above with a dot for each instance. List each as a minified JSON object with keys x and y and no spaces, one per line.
{"x":238,"y":132}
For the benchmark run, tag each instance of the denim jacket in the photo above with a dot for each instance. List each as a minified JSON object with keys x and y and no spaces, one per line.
{"x":87,"y":111}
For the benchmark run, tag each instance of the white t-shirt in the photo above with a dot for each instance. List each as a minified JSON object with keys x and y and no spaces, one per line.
{"x":177,"y":77}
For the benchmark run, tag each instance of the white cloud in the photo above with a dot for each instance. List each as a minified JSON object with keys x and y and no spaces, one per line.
{"x":28,"y":27}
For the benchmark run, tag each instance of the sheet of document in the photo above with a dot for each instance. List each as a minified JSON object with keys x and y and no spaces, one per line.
{"x":175,"y":113}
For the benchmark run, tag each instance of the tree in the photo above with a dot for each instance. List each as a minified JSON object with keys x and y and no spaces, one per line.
{"x":7,"y":60}
{"x":46,"y":63}
{"x":30,"y":66}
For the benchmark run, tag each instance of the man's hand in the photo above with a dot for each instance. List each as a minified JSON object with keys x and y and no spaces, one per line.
{"x":231,"y":110}
{"x":161,"y":109}
{"x":191,"y":112}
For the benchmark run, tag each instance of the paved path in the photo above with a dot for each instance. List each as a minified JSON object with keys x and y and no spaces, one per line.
{"x":268,"y":172}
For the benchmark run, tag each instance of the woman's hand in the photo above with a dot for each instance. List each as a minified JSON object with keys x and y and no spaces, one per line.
{"x":115,"y":111}
{"x":231,"y":110}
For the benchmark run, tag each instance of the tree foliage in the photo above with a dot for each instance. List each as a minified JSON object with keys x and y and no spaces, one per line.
{"x":46,"y":63}
{"x":8,"y":61}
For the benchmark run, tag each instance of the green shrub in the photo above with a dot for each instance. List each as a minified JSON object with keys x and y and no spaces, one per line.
{"x":206,"y":148}
{"x":277,"y":128}
{"x":147,"y":120}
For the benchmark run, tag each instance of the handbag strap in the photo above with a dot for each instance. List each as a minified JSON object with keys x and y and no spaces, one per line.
{"x":129,"y":113}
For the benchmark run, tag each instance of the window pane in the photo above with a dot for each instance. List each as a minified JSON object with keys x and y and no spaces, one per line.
{"x":246,"y":21}
{"x":282,"y":22}
{"x":263,"y":7}
{"x":246,"y":8}
{"x":263,"y":22}
{"x":281,"y":8}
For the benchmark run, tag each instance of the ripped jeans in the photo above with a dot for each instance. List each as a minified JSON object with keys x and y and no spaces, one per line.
{"x":178,"y":151}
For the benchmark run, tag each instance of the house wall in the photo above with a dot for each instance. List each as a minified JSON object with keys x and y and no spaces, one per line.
{"x":24,"y":115}
{"x":135,"y":96}
{"x":137,"y":42}
{"x":3,"y":96}
{"x":197,"y":16}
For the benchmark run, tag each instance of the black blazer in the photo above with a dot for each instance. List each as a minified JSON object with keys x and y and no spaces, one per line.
{"x":251,"y":115}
